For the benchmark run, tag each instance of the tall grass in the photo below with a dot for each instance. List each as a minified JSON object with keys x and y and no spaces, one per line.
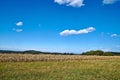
{"x":58,"y":67}
{"x":49,"y":57}
{"x":61,"y":70}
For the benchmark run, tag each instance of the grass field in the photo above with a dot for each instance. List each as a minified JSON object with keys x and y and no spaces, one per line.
{"x":70,"y":67}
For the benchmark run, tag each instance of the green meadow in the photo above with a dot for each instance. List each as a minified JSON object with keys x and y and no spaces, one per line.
{"x":98,"y":69}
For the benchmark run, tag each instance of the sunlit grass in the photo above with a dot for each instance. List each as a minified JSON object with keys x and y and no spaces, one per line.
{"x":90,"y":69}
{"x":49,"y":57}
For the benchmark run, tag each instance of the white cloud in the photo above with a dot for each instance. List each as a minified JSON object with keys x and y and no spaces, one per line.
{"x":110,"y":34}
{"x":18,"y":30}
{"x":19,"y":23}
{"x":73,"y":32}
{"x":73,"y":3}
{"x":114,"y":35}
{"x":110,"y":1}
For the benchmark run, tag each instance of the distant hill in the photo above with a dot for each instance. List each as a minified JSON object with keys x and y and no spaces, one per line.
{"x":22,"y":52}
{"x":33,"y":52}
{"x":96,"y":52}
{"x":9,"y":51}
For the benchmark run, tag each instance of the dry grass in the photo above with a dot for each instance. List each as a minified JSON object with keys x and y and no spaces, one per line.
{"x":58,"y":67}
{"x":49,"y":57}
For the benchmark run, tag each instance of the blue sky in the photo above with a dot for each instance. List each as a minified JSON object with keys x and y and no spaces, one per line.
{"x":60,"y":25}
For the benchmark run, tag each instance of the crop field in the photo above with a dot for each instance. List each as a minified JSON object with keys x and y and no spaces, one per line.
{"x":58,"y":67}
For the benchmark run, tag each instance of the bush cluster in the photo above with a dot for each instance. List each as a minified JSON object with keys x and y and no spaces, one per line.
{"x":98,"y":52}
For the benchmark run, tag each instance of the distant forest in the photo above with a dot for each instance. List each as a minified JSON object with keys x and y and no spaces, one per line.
{"x":32,"y":52}
{"x":92,"y":52}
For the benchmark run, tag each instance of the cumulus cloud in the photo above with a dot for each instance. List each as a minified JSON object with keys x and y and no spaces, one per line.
{"x":73,"y":3}
{"x":114,"y":35}
{"x":110,"y":1}
{"x":18,"y":30}
{"x":74,"y":32}
{"x":19,"y":23}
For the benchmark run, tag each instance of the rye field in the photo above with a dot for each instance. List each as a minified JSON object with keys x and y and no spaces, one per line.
{"x":58,"y":67}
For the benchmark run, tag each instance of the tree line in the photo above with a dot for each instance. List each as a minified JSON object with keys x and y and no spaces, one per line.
{"x":100,"y":53}
{"x":92,"y":52}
